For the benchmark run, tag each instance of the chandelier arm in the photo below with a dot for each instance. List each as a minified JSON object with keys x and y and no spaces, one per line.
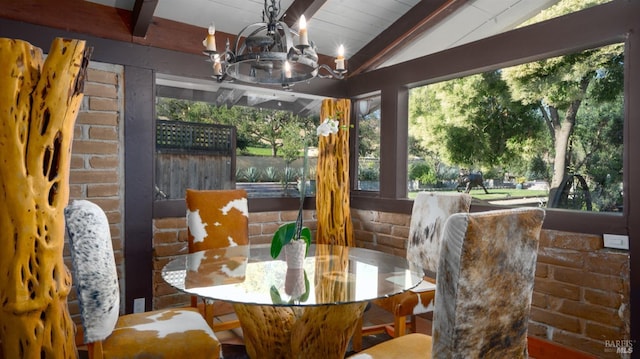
{"x":338,"y":74}
{"x":287,"y":36}
{"x":260,"y":27}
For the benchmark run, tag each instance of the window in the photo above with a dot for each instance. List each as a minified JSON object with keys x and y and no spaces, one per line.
{"x":218,"y":137}
{"x":368,"y":117}
{"x":547,"y":133}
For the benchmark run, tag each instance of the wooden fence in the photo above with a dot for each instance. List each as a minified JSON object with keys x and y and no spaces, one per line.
{"x":193,"y":155}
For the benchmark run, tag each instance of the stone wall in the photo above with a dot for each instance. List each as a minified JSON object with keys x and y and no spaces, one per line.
{"x":97,"y":157}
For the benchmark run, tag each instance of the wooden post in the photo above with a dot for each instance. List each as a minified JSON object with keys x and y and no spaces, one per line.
{"x":39,"y":102}
{"x":332,"y":177}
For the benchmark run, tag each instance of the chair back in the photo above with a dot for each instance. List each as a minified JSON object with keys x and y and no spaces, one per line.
{"x":430,"y":211}
{"x":217,"y":218}
{"x":485,"y":283}
{"x":95,"y":275}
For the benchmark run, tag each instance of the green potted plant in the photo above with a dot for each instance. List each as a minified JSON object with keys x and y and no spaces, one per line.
{"x":293,"y":235}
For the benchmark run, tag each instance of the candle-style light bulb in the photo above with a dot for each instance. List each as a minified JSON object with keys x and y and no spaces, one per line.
{"x":340,"y":58}
{"x":217,"y":66}
{"x":210,"y":41}
{"x":304,"y":37}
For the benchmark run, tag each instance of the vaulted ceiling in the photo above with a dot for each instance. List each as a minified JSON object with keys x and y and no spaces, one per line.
{"x":375,"y":33}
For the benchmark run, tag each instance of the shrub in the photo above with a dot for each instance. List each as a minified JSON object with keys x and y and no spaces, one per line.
{"x":271,"y":174}
{"x":251,"y":174}
{"x":422,"y":172}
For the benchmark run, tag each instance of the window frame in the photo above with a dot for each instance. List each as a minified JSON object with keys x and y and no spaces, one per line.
{"x":590,"y":28}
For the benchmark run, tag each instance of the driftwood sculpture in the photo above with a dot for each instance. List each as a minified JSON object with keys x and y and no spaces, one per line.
{"x":39,"y":102}
{"x":332,"y":177}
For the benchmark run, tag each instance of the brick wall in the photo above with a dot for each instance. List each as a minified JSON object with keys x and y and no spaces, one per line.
{"x":581,"y":292}
{"x":97,"y":157}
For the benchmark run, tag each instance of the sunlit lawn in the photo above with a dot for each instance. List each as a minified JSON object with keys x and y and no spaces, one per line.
{"x":501,"y":193}
{"x":257,"y":151}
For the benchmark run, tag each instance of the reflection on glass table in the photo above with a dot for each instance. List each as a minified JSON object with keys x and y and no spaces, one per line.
{"x":293,"y":313}
{"x":247,"y":274}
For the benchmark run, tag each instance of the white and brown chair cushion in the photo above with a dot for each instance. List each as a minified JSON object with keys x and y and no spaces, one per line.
{"x":484,"y":287}
{"x":216,"y":219}
{"x":170,"y":333}
{"x":429,"y":213}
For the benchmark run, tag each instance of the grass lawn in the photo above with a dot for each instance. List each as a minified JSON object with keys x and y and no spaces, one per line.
{"x":501,"y":193}
{"x":257,"y":151}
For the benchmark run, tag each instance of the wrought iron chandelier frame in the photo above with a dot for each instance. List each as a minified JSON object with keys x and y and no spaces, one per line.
{"x":264,"y":53}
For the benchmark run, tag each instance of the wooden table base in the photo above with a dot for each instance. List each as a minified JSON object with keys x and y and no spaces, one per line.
{"x":298,"y":332}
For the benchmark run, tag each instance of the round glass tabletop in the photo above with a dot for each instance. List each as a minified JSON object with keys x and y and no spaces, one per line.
{"x":331,"y":274}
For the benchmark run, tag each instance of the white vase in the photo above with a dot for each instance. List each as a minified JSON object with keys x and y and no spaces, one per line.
{"x":294,"y":282}
{"x":294,"y":253}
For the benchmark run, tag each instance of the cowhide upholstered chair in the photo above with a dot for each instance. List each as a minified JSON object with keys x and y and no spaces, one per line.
{"x":483,"y":289}
{"x":170,"y":333}
{"x":216,"y":219}
{"x":430,"y":211}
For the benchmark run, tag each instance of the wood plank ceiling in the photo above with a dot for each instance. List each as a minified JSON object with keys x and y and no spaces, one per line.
{"x":375,"y":33}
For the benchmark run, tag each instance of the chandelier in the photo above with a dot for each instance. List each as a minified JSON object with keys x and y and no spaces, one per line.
{"x":265,"y":53}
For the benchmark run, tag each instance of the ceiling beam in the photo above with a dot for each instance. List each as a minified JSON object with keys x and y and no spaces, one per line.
{"x":142,"y":16}
{"x":421,"y":17}
{"x":308,"y":8}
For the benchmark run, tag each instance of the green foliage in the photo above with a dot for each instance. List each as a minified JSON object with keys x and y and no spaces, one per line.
{"x":294,"y":138}
{"x":256,"y":151}
{"x":289,"y":174}
{"x":538,"y":169}
{"x":422,"y":172}
{"x":368,"y":171}
{"x":368,"y":174}
{"x":255,"y":126}
{"x":251,"y":174}
{"x":271,"y":174}
{"x":369,"y":135}
{"x":285,"y":234}
{"x":561,"y":86}
{"x":471,"y":121}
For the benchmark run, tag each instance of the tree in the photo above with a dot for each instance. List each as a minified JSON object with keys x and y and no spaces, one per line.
{"x":202,"y":112}
{"x":369,"y":134}
{"x":473,"y":121}
{"x":558,"y":86}
{"x":255,"y":126}
{"x":269,"y":127}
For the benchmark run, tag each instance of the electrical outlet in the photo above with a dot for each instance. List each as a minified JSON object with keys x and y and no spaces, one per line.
{"x":616,"y":241}
{"x":138,"y":305}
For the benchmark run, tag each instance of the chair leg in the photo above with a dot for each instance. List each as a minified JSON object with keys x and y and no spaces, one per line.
{"x":94,"y":350}
{"x":400,"y":326}
{"x":208,"y":314}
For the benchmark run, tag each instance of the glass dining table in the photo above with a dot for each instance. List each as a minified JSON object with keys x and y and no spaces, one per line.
{"x":293,"y":313}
